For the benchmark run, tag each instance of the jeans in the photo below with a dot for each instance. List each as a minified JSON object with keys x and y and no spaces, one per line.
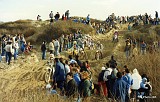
{"x":43,"y":55}
{"x":3,"y":52}
{"x":69,"y":45}
{"x":143,"y":52}
{"x":61,"y":47}
{"x":60,"y":84}
{"x":127,"y":53}
{"x":15,"y":53}
{"x":56,"y":50}
{"x":8,"y":57}
{"x":66,"y":47}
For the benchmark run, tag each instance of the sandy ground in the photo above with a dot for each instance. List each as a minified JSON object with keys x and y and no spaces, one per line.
{"x":21,"y":74}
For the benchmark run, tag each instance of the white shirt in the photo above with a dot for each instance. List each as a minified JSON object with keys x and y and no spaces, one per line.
{"x":67,"y":69}
{"x":51,"y":46}
{"x":16,"y":46}
{"x":8,"y":48}
{"x":56,"y":43}
{"x":107,"y":73}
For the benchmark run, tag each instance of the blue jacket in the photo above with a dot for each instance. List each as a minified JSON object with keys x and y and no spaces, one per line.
{"x":59,"y":74}
{"x":120,"y":90}
{"x":143,"y":46}
{"x":77,"y":78}
{"x":128,"y":79}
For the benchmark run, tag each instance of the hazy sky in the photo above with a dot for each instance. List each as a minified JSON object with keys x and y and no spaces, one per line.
{"x":11,"y":10}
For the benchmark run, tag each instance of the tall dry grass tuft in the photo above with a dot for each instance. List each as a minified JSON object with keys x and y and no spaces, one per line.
{"x":157,"y":29}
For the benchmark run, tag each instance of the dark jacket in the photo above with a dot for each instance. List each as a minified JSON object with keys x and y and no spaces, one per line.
{"x":43,"y":47}
{"x":112,"y":63}
{"x":59,"y":74}
{"x":79,"y":62}
{"x":83,"y":68}
{"x":100,"y":77}
{"x":71,"y":88}
{"x":57,"y":16}
{"x":143,"y":46}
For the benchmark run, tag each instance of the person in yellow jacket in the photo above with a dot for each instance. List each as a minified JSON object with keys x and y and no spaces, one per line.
{"x":134,"y":51}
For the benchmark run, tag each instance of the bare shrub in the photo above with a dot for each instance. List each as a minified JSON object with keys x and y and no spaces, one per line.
{"x":29,"y":32}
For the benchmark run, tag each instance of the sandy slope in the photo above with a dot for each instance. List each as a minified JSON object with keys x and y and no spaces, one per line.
{"x":22,"y":74}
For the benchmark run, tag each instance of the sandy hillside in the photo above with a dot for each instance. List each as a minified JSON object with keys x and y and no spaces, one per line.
{"x":28,"y":71}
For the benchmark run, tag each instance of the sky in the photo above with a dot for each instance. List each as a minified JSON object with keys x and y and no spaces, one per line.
{"x":12,"y":10}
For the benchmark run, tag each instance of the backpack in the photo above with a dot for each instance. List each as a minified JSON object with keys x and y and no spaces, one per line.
{"x":105,"y":76}
{"x":112,"y":75}
{"x":91,"y":85}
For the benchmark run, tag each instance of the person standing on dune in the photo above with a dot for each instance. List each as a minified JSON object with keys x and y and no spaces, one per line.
{"x":156,"y":16}
{"x":43,"y":49}
{"x":88,"y":19}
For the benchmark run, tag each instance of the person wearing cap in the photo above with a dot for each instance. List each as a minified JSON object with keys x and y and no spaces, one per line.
{"x":102,"y":83}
